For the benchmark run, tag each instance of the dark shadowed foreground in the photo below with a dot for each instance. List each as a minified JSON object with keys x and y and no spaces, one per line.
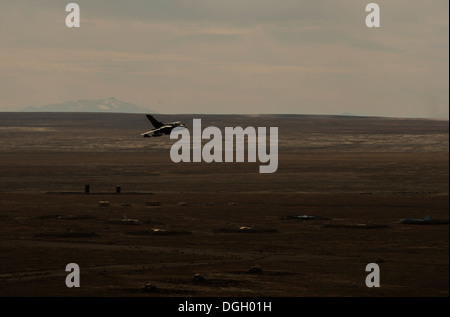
{"x":222,"y":229}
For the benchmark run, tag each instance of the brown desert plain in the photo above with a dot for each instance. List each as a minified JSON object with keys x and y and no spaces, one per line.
{"x":223,"y":229}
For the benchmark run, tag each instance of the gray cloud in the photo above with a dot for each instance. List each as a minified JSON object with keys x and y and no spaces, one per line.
{"x":251,"y":56}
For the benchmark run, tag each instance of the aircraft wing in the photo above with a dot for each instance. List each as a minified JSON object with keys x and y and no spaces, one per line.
{"x":147,"y":133}
{"x":158,"y":132}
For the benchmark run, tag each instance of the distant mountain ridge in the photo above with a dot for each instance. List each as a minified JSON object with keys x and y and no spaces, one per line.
{"x":101,"y":105}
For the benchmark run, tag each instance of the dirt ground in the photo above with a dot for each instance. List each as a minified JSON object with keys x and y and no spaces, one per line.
{"x":222,"y":229}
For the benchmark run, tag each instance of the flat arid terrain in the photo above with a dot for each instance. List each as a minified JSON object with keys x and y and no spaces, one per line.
{"x":223,"y":229}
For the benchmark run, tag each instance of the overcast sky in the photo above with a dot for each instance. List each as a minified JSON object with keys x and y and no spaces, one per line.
{"x":229,"y":56}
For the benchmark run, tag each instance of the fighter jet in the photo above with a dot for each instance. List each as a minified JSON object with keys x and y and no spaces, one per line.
{"x":161,"y":128}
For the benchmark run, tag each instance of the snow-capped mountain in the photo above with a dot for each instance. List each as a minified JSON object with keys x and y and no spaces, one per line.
{"x":101,"y":105}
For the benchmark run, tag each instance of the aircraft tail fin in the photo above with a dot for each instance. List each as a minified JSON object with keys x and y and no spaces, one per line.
{"x":427,"y":218}
{"x":157,"y":124}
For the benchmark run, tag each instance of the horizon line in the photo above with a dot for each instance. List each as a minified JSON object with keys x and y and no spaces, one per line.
{"x":233,"y":114}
